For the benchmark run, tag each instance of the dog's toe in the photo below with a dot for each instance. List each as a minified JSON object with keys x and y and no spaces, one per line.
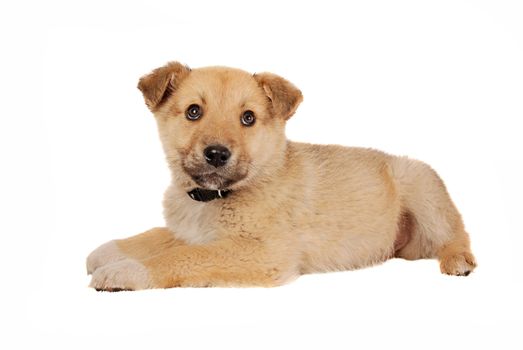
{"x":107,"y":253}
{"x":459,"y":264}
{"x":122,"y":275}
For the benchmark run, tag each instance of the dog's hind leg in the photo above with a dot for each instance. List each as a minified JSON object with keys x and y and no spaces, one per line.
{"x":434,"y":225}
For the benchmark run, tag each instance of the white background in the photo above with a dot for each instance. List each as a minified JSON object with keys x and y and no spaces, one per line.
{"x":441,"y":81}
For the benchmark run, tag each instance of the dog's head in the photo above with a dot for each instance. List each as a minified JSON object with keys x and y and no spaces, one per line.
{"x":220,"y":127}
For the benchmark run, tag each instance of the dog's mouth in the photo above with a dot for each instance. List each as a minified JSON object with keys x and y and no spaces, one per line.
{"x":212,"y":181}
{"x":215,"y":180}
{"x":209,"y":177}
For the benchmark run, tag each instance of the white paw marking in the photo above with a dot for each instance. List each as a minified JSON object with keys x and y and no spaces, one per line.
{"x":107,"y":253}
{"x":127,"y":274}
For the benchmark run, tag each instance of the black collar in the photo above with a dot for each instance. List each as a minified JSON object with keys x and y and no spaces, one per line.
{"x":202,"y":195}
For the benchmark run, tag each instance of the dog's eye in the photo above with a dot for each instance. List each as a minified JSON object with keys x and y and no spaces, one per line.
{"x":248,"y":118}
{"x":193,"y":112}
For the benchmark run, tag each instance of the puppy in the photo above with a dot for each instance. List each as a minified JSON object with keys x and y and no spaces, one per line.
{"x":247,"y":207}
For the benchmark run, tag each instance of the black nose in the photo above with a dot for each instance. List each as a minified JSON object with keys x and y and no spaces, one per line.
{"x":217,"y":155}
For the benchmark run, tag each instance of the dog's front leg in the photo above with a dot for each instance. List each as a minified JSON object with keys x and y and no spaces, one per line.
{"x":228,"y":262}
{"x":144,"y":245}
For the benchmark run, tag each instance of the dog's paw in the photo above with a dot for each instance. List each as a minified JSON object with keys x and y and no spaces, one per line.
{"x":105,"y":254}
{"x":127,"y":274}
{"x":459,"y":264}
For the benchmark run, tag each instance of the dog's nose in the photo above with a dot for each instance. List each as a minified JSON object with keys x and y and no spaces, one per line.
{"x":217,"y":155}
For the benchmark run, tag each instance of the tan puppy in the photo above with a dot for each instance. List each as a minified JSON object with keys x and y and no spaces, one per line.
{"x":247,"y":207}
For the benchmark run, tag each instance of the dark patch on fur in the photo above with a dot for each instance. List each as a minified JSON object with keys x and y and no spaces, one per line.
{"x":405,"y":230}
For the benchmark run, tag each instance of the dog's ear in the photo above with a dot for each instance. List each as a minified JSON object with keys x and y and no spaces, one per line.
{"x":158,"y":85}
{"x":284,"y":96}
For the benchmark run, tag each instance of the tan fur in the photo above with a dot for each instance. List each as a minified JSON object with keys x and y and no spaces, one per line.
{"x":294,"y":208}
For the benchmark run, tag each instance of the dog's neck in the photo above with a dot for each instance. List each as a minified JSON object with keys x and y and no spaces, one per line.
{"x":203,"y":195}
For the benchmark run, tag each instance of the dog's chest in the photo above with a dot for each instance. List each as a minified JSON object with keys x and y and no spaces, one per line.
{"x":192,"y":222}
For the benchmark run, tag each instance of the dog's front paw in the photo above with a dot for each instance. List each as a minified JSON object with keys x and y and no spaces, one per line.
{"x":105,"y":254}
{"x":126,"y":274}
